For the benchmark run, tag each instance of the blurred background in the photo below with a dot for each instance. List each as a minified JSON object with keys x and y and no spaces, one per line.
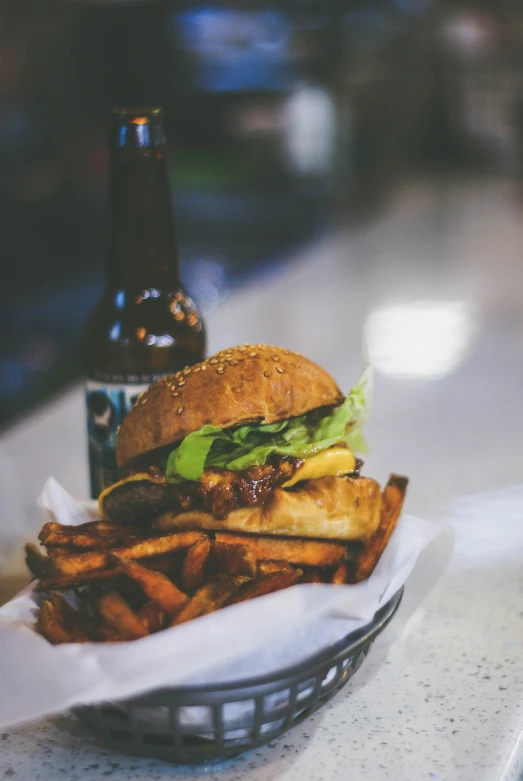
{"x":285,"y":119}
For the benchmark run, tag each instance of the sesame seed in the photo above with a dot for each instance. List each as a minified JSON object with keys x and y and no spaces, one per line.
{"x":180,"y":383}
{"x":253,"y":355}
{"x":196,"y":368}
{"x":204,"y":367}
{"x":213,"y":361}
{"x":265,"y":373}
{"x":242,"y":349}
{"x":232,"y":363}
{"x":180,"y":410}
{"x":176,"y":393}
{"x":274,"y":357}
{"x":187,"y":370}
{"x":220,"y":370}
{"x":279,"y":370}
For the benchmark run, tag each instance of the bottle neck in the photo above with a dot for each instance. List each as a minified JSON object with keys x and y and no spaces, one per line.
{"x":143,"y":251}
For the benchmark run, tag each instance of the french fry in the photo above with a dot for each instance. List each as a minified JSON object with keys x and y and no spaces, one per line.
{"x":264,"y":567}
{"x":153,"y":546}
{"x":152,"y":616}
{"x":158,"y":563}
{"x":391,"y":504}
{"x":37,"y":562}
{"x":71,"y":581}
{"x":67,"y":612}
{"x":340,"y":574}
{"x":310,"y":553}
{"x":51,"y":624}
{"x":49,"y":527}
{"x":233,"y":559}
{"x":194,"y":567}
{"x":54,"y":551}
{"x":90,"y":541}
{"x":170,"y":563}
{"x":210,"y":597}
{"x":98,"y":528}
{"x":156,"y":586}
{"x":273,"y":581}
{"x":82,"y":626}
{"x":311,"y":575}
{"x":108,"y":635}
{"x":119,"y":617}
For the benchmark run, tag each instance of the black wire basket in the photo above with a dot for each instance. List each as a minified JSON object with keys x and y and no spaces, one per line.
{"x":198,"y":724}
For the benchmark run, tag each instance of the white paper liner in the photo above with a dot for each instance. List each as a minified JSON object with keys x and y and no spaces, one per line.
{"x":248,"y":639}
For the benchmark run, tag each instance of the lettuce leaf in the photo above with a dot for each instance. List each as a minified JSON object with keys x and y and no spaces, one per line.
{"x":188,"y":460}
{"x":251,"y":445}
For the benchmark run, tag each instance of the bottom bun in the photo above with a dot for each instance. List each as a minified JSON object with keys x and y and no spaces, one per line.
{"x":336,"y":508}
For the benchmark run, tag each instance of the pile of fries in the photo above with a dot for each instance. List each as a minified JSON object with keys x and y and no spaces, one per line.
{"x":125,"y":585}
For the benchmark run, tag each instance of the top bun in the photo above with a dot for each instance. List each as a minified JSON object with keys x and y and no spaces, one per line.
{"x":240,"y":385}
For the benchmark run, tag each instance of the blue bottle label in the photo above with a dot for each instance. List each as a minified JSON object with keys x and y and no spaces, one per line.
{"x":107,"y":405}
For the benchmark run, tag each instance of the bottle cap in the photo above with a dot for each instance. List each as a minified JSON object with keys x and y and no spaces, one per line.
{"x":138,"y":128}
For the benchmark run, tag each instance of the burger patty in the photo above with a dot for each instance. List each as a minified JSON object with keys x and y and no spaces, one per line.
{"x":219,"y":491}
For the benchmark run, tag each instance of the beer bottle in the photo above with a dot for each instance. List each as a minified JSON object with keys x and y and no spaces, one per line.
{"x":145,"y":325}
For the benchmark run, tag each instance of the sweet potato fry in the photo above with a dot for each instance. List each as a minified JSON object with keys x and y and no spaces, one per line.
{"x":210,"y":597}
{"x":194,"y":567}
{"x":155,"y":585}
{"x":98,"y":528}
{"x":391,"y":504}
{"x":81,"y":624}
{"x":153,"y":546}
{"x":169,"y":564}
{"x":66,"y":611}
{"x":152,"y":616}
{"x":52,"y":625}
{"x":37,"y":562}
{"x":117,"y":615}
{"x":311,"y":575}
{"x":108,"y":635}
{"x":90,"y":541}
{"x":49,"y":527}
{"x":71,"y":581}
{"x":49,"y":624}
{"x":273,"y":581}
{"x":54,"y":551}
{"x":233,"y":559}
{"x":311,"y":553}
{"x":264,"y":567}
{"x":340,"y":574}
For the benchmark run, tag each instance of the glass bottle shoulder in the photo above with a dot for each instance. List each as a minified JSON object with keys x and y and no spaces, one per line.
{"x":145,"y":316}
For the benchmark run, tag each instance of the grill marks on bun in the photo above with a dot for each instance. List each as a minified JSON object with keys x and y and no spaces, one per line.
{"x":239,"y":385}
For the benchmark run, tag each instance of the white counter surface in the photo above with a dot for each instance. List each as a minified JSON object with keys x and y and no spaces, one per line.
{"x":435,"y":289}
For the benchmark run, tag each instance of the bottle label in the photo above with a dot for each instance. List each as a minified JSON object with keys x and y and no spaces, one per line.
{"x":108,"y":402}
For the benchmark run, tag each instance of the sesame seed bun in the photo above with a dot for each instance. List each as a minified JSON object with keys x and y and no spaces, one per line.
{"x":239,"y":385}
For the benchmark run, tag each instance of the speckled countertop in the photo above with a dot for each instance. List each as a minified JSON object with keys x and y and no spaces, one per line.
{"x":441,"y":693}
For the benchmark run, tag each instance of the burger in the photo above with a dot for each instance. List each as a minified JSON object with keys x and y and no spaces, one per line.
{"x":255,"y":439}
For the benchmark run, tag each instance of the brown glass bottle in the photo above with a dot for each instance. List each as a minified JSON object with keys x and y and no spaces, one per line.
{"x":145,"y":325}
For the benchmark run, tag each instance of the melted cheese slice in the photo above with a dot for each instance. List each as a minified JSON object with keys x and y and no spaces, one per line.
{"x":336,"y":461}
